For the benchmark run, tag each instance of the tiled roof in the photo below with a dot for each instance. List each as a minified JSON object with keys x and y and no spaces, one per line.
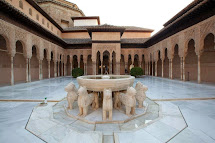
{"x":78,"y":41}
{"x":134,"y":41}
{"x":127,"y":28}
{"x":89,"y":41}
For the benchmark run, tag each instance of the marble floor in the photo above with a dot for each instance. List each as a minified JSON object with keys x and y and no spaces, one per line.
{"x":198,"y":114}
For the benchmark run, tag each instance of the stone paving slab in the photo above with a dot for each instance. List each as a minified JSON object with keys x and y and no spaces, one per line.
{"x":107,"y":129}
{"x":108,"y":139}
{"x":186,"y":137}
{"x":85,"y":137}
{"x":139,"y":136}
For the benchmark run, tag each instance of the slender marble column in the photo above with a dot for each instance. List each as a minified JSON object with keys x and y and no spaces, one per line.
{"x":110,"y":67}
{"x":26,"y":62}
{"x":156,"y":69}
{"x":85,"y":68}
{"x":79,"y":62}
{"x":48,"y":68}
{"x":101,"y":58}
{"x":65,"y":71}
{"x":181,"y":67}
{"x":71,"y":69}
{"x":29,"y":73}
{"x":11,"y":71}
{"x":199,"y":69}
{"x":94,"y":67}
{"x":146,"y":68}
{"x":149,"y":68}
{"x":152,"y":68}
{"x":58,"y":69}
{"x":170,"y":68}
{"x":40,"y":70}
{"x":139,"y":64}
{"x":62,"y":69}
{"x":162,"y":68}
{"x":184,"y":78}
{"x":117,"y":68}
{"x":55,"y":69}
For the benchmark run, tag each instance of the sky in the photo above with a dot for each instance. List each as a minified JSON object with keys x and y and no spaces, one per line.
{"x":150,"y":14}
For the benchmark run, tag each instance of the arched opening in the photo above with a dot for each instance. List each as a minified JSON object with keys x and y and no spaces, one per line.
{"x":4,"y":63}
{"x":159,"y":65}
{"x":207,"y":60}
{"x":82,"y":62}
{"x":136,"y":60}
{"x":34,"y":64}
{"x":114,"y":62}
{"x":45,"y":64}
{"x":122,"y":65}
{"x":89,"y":65}
{"x":75,"y":62}
{"x":166,"y":65}
{"x":129,"y":63}
{"x":60,"y":66}
{"x":98,"y":63}
{"x":153,"y":66}
{"x":19,"y":64}
{"x":106,"y":58}
{"x":176,"y":72}
{"x":150,"y":64}
{"x":191,"y":62}
{"x":143,"y":64}
{"x":68,"y":66}
{"x":52,"y":65}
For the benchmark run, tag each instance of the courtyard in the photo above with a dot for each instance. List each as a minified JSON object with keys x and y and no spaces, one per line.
{"x":194,"y":101}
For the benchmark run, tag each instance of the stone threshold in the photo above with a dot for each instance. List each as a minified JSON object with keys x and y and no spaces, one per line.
{"x":26,"y":100}
{"x":182,"y":99}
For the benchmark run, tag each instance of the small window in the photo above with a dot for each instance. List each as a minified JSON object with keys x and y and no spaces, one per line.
{"x":51,"y":28}
{"x":47,"y":24}
{"x":20,"y":4}
{"x":43,"y":21}
{"x":37,"y":17}
{"x":58,"y":33}
{"x":30,"y":11}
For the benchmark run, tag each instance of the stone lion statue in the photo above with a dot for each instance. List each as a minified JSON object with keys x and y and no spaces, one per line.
{"x":95,"y":104}
{"x":71,"y":94}
{"x":107,"y":103}
{"x":84,"y":100}
{"x":140,"y":96}
{"x":129,"y":100}
{"x":117,"y":102}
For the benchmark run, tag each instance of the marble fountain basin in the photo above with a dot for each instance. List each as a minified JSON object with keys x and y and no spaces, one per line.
{"x":100,"y":82}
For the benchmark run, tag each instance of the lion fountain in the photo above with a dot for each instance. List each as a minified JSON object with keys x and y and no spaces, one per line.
{"x":108,"y":98}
